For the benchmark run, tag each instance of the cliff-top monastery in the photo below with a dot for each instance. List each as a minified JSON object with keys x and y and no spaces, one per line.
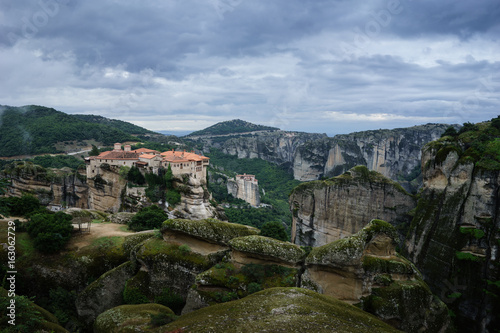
{"x":149,"y":160}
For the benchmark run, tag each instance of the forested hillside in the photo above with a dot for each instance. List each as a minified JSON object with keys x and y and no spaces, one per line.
{"x":232,"y":127}
{"x":274,"y":181}
{"x":117,"y":124}
{"x":35,"y":129}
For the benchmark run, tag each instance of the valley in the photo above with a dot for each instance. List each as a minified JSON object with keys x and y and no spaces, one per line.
{"x":397,"y":228}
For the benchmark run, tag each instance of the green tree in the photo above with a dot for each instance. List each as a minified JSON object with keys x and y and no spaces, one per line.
{"x":274,"y":229}
{"x":28,"y":318}
{"x":135,"y":176}
{"x":4,"y":209}
{"x":151,"y":217}
{"x":95,"y":151}
{"x":169,"y":178}
{"x":50,"y":232}
{"x":450,"y":131}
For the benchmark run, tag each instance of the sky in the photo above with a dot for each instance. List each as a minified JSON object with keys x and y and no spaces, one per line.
{"x":323,"y":66}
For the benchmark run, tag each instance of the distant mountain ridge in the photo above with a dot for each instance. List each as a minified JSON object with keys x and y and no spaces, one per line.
{"x":234,"y":126}
{"x":34,"y":129}
{"x":118,"y":124}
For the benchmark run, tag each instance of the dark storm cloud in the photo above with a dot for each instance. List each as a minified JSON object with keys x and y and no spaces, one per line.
{"x":192,"y":63}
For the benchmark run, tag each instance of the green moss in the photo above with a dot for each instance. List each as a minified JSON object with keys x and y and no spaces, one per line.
{"x":280,"y":310}
{"x":266,"y":246}
{"x":130,"y":318}
{"x":210,"y":229}
{"x":99,"y":283}
{"x":443,"y":153}
{"x":476,"y":233}
{"x":133,"y":240}
{"x":390,"y":266}
{"x":136,"y":289}
{"x":155,"y":249}
{"x":224,"y":278}
{"x":467,"y":256}
{"x":348,"y":250}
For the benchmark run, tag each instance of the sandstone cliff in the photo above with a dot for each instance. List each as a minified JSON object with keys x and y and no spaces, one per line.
{"x":247,"y":190}
{"x":455,"y":235}
{"x":365,"y":269}
{"x":394,"y":153}
{"x":51,"y":186}
{"x":328,"y":210}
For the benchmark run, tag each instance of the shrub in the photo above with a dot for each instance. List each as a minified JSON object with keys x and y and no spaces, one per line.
{"x":135,"y":176}
{"x":274,"y":229}
{"x":254,"y":287}
{"x":133,"y":295}
{"x":450,"y":131}
{"x":50,"y":232}
{"x":148,"y":218}
{"x":28,"y":319}
{"x":24,"y":205}
{"x":173,"y":197}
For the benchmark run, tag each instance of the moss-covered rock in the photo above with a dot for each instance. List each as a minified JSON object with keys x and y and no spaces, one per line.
{"x":104,"y":293}
{"x":121,"y":217}
{"x":172,"y":265}
{"x":268,"y":247}
{"x":348,"y":251}
{"x":134,"y":240}
{"x":410,"y":306}
{"x":367,"y":264}
{"x":133,"y":318}
{"x":225,"y":282}
{"x":211,"y":230}
{"x":280,"y":310}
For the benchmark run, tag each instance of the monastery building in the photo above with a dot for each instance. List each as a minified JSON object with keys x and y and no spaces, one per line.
{"x":148,"y":160}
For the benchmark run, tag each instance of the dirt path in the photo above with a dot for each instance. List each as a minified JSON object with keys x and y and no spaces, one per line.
{"x":97,"y":230}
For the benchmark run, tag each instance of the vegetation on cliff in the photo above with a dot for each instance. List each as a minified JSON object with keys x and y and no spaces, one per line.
{"x":476,"y":143}
{"x":209,"y":229}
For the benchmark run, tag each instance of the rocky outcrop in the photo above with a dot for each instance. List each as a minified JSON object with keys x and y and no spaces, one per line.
{"x":244,"y":187}
{"x":104,"y":293}
{"x":394,"y":153}
{"x":51,"y":186}
{"x":365,"y":269}
{"x":264,"y":250}
{"x":455,"y":235}
{"x":133,"y":318}
{"x":106,"y":189}
{"x":195,"y":200}
{"x":280,"y":310}
{"x":328,"y":210}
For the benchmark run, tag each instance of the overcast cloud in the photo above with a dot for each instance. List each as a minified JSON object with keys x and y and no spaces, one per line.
{"x":310,"y":65}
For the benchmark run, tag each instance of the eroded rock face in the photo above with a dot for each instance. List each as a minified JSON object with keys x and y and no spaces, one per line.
{"x":195,"y":200}
{"x":51,"y":186}
{"x":104,"y":293}
{"x":325,"y":211}
{"x":106,"y":190}
{"x":244,"y":190}
{"x":366,"y":269}
{"x":454,"y":237}
{"x":309,"y":156}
